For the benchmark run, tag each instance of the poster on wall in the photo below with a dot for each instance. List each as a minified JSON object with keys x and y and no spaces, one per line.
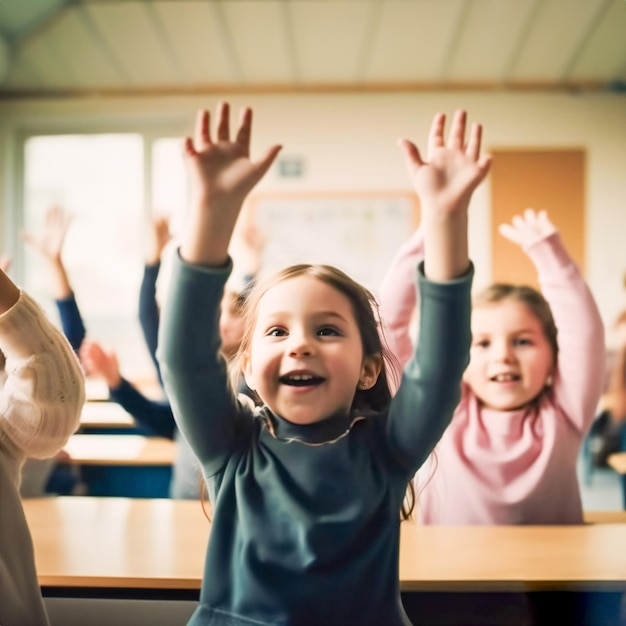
{"x":358,"y":233}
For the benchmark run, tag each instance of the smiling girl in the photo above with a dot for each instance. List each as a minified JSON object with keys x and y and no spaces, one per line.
{"x":509,"y":455}
{"x":307,"y":488}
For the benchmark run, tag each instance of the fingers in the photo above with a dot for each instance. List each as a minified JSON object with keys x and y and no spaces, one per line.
{"x":223,"y":126}
{"x":435,"y":136}
{"x":412,"y":156}
{"x":188,"y":149}
{"x":473,"y":145}
{"x":245,"y":126}
{"x":265,"y":162}
{"x":202,"y":133}
{"x":509,"y":232}
{"x":456,"y":139}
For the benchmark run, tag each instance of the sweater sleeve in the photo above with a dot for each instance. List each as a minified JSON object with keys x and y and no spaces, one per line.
{"x":194,"y":370}
{"x":430,"y":389}
{"x":71,"y":321}
{"x":149,"y":312}
{"x":399,"y":298}
{"x":581,"y":361}
{"x":155,"y":417}
{"x":43,"y":394}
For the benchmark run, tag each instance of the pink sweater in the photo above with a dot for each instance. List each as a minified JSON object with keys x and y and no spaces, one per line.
{"x":517,"y":467}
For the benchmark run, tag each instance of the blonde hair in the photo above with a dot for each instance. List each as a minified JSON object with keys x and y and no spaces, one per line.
{"x":534,"y":301}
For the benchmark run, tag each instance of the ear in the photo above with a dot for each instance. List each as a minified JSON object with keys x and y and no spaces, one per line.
{"x":246,"y":368}
{"x":370,"y":371}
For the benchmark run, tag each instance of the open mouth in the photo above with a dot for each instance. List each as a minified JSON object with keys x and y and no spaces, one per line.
{"x":301,"y":380}
{"x":505,"y":378}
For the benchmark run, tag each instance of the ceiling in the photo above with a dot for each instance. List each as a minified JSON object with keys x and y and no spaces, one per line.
{"x":59,"y":48}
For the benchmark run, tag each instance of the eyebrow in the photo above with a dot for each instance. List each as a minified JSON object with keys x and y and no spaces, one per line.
{"x":318,"y":314}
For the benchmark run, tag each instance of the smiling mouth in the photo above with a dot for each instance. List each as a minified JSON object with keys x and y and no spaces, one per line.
{"x":301,"y":380}
{"x":505,"y":378}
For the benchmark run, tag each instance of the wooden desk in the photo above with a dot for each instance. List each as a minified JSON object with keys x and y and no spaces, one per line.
{"x":123,"y":465}
{"x":120,"y":450}
{"x":105,"y":416}
{"x":160,"y":544}
{"x":146,"y":551}
{"x":605,"y":517}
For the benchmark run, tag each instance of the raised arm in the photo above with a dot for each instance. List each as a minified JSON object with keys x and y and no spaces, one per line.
{"x":50,"y":246}
{"x":581,"y":359}
{"x":158,"y":237}
{"x":221,"y":175}
{"x":445,"y":183}
{"x":43,"y":394}
{"x":154,"y":417}
{"x":399,"y":297}
{"x":430,"y":388}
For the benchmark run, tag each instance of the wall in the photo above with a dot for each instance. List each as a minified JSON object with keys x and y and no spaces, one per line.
{"x":348,"y":143}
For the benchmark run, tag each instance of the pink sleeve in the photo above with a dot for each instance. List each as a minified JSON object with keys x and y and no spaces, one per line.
{"x":398,"y":296}
{"x":580,"y":331}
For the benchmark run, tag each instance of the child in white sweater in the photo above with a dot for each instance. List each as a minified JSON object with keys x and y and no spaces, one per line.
{"x":41,"y":397}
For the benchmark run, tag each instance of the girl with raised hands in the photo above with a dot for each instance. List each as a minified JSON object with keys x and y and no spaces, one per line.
{"x":529,"y":395}
{"x":307,"y":488}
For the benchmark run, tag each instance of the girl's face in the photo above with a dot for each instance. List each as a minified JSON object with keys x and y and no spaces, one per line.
{"x":305,"y":358}
{"x":231,"y":324}
{"x":510,"y":358}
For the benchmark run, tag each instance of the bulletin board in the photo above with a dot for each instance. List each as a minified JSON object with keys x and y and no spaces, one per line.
{"x":357,"y":232}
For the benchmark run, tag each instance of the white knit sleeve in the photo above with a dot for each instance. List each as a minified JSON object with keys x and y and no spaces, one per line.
{"x":44,"y":392}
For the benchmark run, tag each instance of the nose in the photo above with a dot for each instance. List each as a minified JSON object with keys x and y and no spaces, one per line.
{"x":503,"y":351}
{"x":299,"y":344}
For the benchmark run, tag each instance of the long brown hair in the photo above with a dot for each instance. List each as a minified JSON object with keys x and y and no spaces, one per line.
{"x":367,"y":315}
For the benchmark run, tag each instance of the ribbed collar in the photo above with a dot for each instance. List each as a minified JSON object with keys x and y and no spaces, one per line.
{"x":327,"y":430}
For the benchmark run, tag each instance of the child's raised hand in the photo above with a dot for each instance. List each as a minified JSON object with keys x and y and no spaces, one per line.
{"x":5,"y":262}
{"x":50,"y":243}
{"x":446,"y":180}
{"x":221,"y":176}
{"x":97,"y":362}
{"x":159,"y":235}
{"x":528,"y":229}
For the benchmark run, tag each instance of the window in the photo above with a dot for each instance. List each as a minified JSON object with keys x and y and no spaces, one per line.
{"x":99,"y":179}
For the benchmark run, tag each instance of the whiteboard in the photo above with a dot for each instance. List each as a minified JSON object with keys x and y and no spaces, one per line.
{"x":358,"y":233}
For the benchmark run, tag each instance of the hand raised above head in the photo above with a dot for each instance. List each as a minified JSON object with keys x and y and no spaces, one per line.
{"x":98,"y":362}
{"x":158,"y":237}
{"x":50,"y":242}
{"x":222,"y":170}
{"x":221,"y":174}
{"x":445,"y":181}
{"x":528,"y":229}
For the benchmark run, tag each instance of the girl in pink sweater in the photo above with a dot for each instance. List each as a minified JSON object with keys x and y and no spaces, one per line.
{"x":509,"y":455}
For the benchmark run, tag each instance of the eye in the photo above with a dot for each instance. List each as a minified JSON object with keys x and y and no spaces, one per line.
{"x":275,"y":331}
{"x":523,"y":341}
{"x":328,"y":331}
{"x":483,"y":343}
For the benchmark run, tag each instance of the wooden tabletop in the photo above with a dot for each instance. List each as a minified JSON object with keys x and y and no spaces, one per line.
{"x":105,"y":415}
{"x":160,"y":544}
{"x":96,"y":449}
